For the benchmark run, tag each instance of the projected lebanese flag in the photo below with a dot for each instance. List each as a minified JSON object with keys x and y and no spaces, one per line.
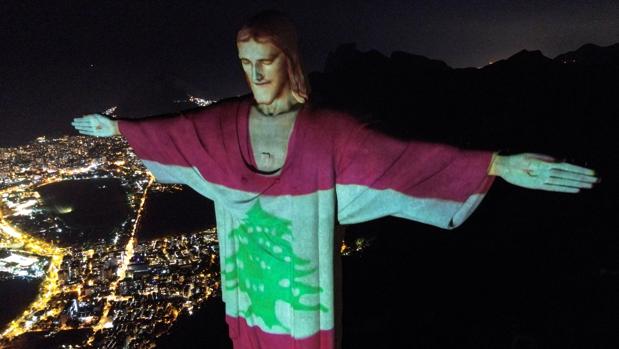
{"x":276,"y":233}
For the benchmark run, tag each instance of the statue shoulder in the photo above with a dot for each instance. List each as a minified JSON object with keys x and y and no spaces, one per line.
{"x":337,"y":119}
{"x":330,"y":114}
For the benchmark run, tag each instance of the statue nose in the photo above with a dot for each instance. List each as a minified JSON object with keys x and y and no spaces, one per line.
{"x":258,"y":75}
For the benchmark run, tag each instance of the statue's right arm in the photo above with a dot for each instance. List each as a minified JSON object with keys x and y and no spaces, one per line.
{"x":96,"y":125}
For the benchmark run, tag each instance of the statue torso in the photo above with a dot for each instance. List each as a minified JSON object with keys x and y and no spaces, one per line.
{"x":269,"y":138}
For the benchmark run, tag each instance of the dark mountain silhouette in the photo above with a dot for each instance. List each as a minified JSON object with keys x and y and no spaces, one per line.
{"x":591,"y":55}
{"x":523,"y":61}
{"x":520,"y":99}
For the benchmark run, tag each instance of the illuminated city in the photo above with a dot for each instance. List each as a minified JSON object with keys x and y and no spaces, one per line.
{"x":116,"y":288}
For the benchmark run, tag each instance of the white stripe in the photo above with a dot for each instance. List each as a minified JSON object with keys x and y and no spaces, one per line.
{"x":358,"y":203}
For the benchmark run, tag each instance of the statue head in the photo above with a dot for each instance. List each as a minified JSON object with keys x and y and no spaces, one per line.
{"x":268,"y":49}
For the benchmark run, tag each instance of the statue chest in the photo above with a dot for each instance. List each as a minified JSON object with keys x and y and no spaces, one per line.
{"x":270,"y":137}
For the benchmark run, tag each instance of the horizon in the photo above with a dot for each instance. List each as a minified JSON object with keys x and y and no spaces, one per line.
{"x":16,"y":140}
{"x":65,"y":59}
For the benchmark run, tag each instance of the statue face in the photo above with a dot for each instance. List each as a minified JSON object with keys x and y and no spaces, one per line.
{"x":266,"y":70}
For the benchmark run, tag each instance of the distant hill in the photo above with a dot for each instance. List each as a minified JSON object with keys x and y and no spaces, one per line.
{"x":522,"y":60}
{"x":591,"y":55}
{"x":511,"y":104}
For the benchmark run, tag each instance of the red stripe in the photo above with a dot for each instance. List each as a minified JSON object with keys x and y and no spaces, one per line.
{"x":252,"y":337}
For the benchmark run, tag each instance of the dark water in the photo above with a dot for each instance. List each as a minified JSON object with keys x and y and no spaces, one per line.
{"x":94,"y":207}
{"x":15,"y":295}
{"x":173,"y":213}
{"x":91,"y":208}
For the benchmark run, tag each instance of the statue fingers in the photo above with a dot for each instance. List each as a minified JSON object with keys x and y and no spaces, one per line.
{"x":86,"y":121}
{"x":556,"y":173}
{"x":573,"y":168}
{"x":81,"y":121}
{"x":568,"y":183}
{"x":82,"y":125}
{"x":87,"y":127}
{"x":88,"y":132}
{"x":542,"y":157}
{"x":559,"y":188}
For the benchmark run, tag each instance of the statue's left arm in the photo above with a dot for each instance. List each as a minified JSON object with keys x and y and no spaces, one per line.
{"x":437,"y":184}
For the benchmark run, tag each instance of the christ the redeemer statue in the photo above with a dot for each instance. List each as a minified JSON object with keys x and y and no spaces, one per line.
{"x":282,"y":173}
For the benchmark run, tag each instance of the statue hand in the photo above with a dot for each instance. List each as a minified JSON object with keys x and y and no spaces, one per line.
{"x":535,"y":171}
{"x":96,"y":125}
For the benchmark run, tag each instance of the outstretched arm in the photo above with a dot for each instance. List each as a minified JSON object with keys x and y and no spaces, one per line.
{"x":96,"y":125}
{"x":170,"y":146}
{"x":536,"y":171}
{"x":433,"y":183}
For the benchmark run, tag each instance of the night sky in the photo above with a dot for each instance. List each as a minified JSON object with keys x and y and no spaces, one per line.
{"x":61,"y":59}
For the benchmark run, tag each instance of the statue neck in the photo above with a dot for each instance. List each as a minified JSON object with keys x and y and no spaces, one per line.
{"x":278,"y":106}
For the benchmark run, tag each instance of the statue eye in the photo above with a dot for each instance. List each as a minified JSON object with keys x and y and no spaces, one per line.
{"x":267,"y":62}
